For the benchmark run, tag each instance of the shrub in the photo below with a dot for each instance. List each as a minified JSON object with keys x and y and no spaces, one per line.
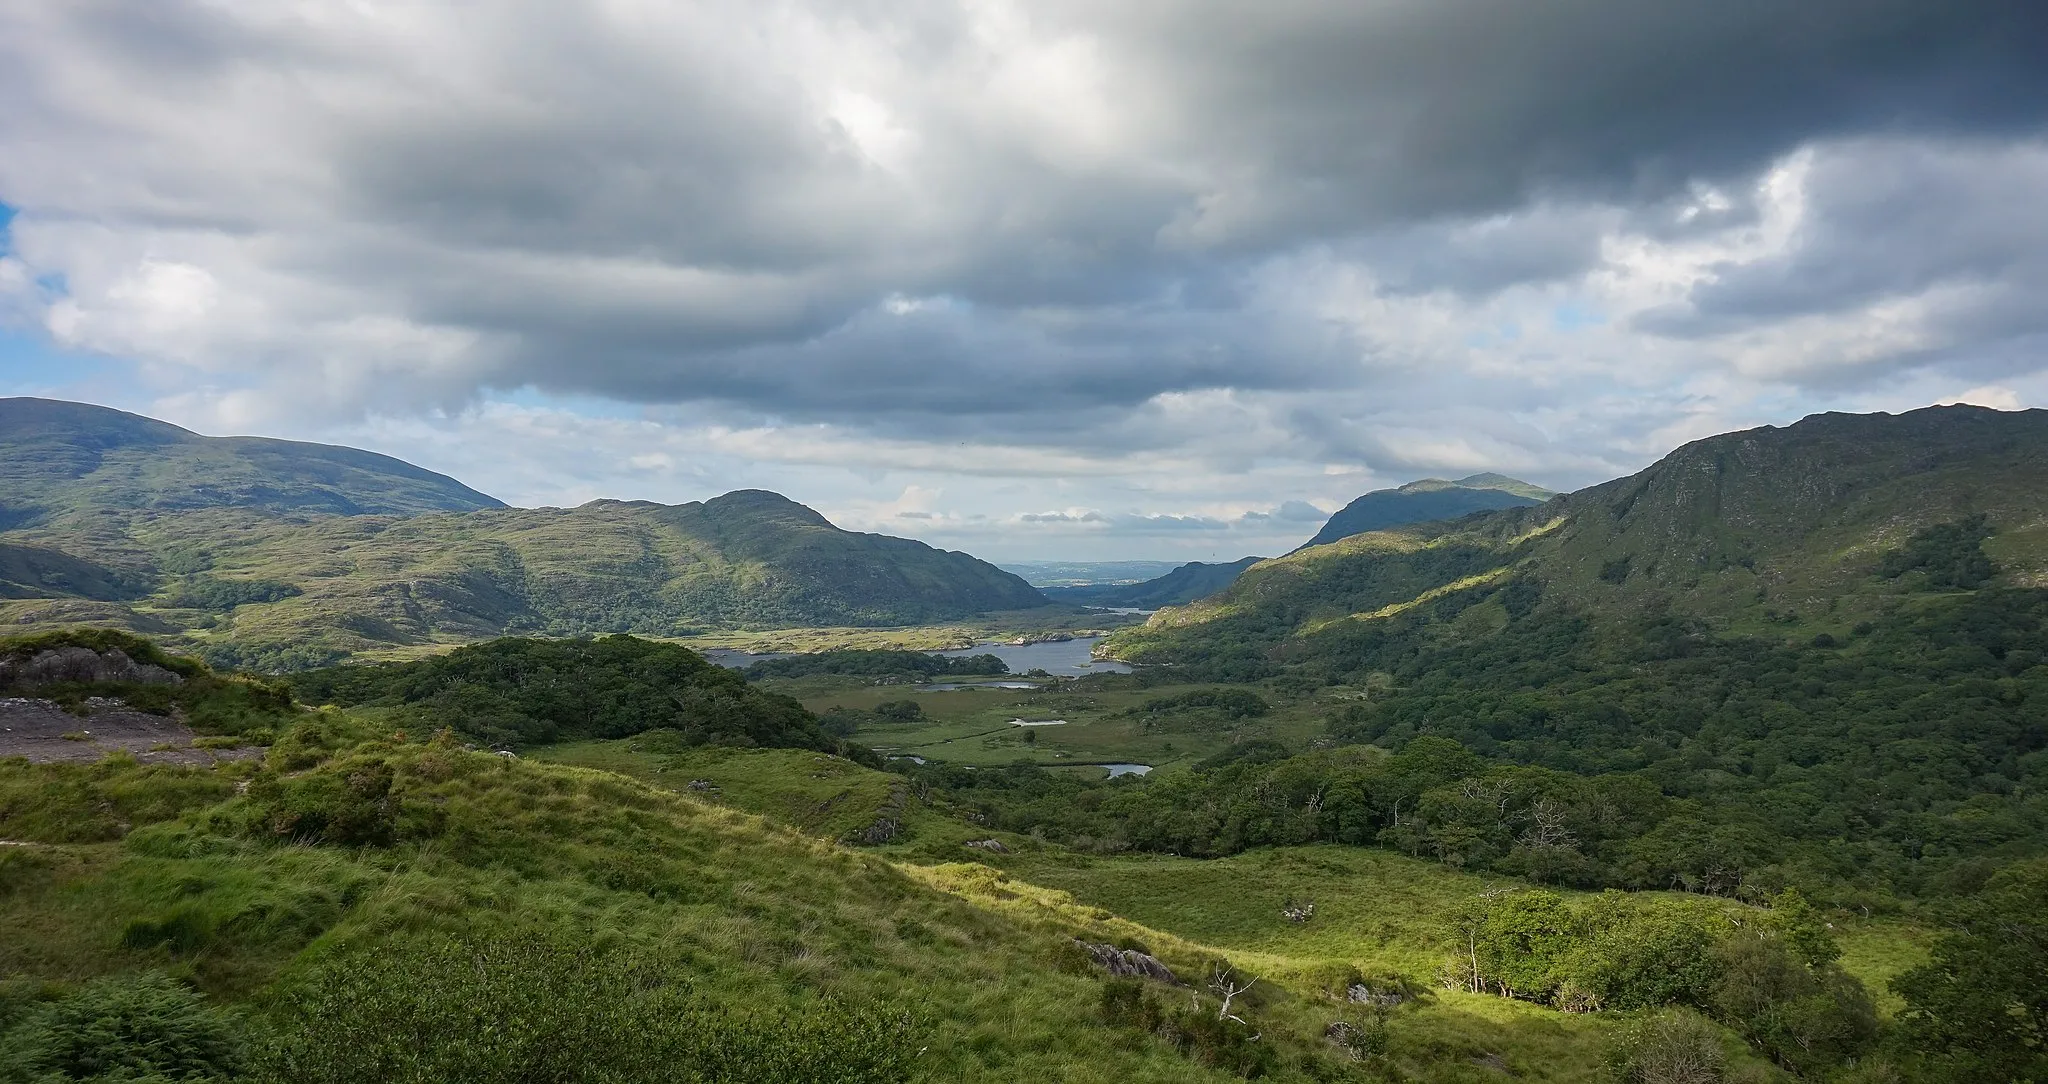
{"x":137,"y":1027}
{"x":1198,"y":1031}
{"x":1677,"y":1046}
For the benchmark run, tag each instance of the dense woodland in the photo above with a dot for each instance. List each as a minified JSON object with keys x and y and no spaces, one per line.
{"x":1906,"y":761}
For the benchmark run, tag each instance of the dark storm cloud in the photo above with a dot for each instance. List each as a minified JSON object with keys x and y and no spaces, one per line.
{"x":988,"y":222}
{"x":1471,"y":106}
{"x":1958,"y":226}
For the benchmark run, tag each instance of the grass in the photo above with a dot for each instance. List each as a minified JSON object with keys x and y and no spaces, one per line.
{"x":973,"y":726}
{"x":1375,"y":910}
{"x":743,"y":887}
{"x":759,"y":914}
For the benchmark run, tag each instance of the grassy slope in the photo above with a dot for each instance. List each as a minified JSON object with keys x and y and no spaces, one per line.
{"x":1379,"y":913}
{"x":607,"y":837}
{"x":1769,"y":529}
{"x":760,"y":914}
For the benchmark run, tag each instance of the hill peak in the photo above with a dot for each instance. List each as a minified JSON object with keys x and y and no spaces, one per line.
{"x":765,"y":502}
{"x":1427,"y":499}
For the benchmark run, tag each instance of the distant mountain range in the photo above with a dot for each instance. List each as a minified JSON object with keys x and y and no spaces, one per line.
{"x":1805,"y":530}
{"x":1416,"y":502}
{"x":1183,"y":585}
{"x":278,"y":554}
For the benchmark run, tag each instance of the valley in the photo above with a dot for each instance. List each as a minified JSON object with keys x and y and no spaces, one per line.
{"x":1736,"y":756}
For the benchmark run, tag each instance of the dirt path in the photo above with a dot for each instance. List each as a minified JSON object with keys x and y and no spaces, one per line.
{"x":44,"y":732}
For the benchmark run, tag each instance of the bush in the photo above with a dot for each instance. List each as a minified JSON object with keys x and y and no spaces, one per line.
{"x":1198,"y":1031}
{"x":1807,"y":1018}
{"x":1677,"y":1046}
{"x":134,"y":1028}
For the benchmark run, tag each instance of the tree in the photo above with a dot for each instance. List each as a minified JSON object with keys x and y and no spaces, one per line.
{"x":1978,"y":1009}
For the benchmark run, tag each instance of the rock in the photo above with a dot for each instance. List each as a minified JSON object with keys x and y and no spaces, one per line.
{"x":1359,"y":993}
{"x":992,"y":846}
{"x":83,"y":665}
{"x":888,"y":823}
{"x":1129,"y":963}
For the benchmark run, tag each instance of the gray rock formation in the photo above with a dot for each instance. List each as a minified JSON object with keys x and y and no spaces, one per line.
{"x":59,"y":665}
{"x":1129,"y":963}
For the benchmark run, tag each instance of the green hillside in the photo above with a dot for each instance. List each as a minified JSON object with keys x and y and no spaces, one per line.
{"x":1821,"y":646}
{"x":1770,"y":529}
{"x":1427,"y":499}
{"x":281,"y":591}
{"x":58,"y":458}
{"x":372,"y":900}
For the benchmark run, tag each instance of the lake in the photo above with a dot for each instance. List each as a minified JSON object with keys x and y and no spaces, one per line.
{"x":1062,"y":658}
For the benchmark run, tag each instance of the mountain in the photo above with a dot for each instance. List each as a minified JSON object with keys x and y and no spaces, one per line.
{"x":1786,"y":529}
{"x":1179,"y":587}
{"x":58,"y":457}
{"x":1818,"y":654}
{"x":1425,"y":500}
{"x":277,"y":554}
{"x":273,"y":591}
{"x":1416,"y":502}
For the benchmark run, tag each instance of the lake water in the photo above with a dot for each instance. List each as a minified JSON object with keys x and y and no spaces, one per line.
{"x":1127,"y":769}
{"x":1063,"y":658}
{"x":956,"y":686}
{"x":1038,"y":722}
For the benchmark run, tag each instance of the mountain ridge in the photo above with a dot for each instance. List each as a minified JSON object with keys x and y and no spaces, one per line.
{"x":1773,"y":527}
{"x":278,"y":554}
{"x":59,"y":458}
{"x":1426,"y":499}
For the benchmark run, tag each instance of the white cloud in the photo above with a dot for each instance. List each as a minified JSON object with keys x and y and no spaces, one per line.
{"x":1164,"y":272}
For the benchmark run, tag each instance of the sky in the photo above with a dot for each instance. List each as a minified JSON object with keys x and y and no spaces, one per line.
{"x":1046,"y":280}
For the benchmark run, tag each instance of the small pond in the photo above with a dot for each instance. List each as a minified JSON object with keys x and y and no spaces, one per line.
{"x":1126,"y":769}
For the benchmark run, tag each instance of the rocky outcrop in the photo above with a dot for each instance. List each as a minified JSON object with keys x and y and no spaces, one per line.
{"x":888,"y":823}
{"x":61,"y":665}
{"x":1129,"y":963}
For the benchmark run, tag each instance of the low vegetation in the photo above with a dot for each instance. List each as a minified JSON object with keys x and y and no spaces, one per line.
{"x":528,"y":692}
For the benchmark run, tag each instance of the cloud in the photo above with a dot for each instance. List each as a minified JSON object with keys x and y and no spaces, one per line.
{"x":1176,"y":267}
